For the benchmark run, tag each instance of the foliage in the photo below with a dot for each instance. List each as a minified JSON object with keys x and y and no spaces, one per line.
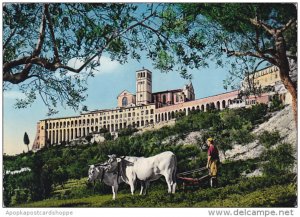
{"x":126,"y":131}
{"x":108,"y":136}
{"x":276,"y":104}
{"x":103,"y":130}
{"x":20,"y":196}
{"x":54,"y":167}
{"x":269,"y":139}
{"x":279,"y":160}
{"x":52,"y":49}
{"x":26,"y":140}
{"x":89,"y":137}
{"x":248,"y":192}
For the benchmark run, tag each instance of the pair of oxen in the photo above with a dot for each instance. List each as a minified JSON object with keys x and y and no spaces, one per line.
{"x":130,"y":169}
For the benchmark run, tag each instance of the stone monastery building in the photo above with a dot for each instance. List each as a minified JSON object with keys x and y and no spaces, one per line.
{"x":145,"y":108}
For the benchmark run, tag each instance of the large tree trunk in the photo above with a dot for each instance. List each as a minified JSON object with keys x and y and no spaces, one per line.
{"x":284,"y":72}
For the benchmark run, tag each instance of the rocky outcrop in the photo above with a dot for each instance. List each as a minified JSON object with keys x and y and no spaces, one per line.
{"x":281,"y":121}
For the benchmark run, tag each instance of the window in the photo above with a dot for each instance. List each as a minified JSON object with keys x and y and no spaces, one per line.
{"x":164,"y":99}
{"x":124,"y":102}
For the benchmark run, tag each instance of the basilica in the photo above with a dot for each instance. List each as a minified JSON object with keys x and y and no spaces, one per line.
{"x":146,"y":109}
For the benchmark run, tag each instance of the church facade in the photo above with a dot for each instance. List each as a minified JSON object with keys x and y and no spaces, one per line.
{"x":142,"y":109}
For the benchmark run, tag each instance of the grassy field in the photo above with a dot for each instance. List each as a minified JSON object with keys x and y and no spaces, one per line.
{"x":248,"y":193}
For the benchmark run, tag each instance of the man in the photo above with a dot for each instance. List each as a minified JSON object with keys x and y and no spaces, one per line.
{"x":212,"y":161}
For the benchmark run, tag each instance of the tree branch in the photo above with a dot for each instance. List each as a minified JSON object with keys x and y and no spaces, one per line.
{"x":18,"y":77}
{"x":259,"y":23}
{"x":50,"y":24}
{"x":9,"y":38}
{"x":56,"y":64}
{"x":40,"y":41}
{"x":287,"y":25}
{"x":249,"y":53}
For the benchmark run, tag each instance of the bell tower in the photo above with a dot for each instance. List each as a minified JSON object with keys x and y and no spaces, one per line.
{"x":143,"y":87}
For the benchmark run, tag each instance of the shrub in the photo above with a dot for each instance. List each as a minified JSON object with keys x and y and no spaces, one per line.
{"x":108,"y":136}
{"x":126,"y":131}
{"x":279,"y":161}
{"x":276,"y":104}
{"x":269,"y":139}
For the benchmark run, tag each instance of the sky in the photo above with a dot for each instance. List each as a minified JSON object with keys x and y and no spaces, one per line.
{"x":102,"y":94}
{"x":103,"y":90}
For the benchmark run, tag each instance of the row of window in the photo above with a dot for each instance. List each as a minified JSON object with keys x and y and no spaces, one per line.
{"x":95,"y":120}
{"x":266,"y":71}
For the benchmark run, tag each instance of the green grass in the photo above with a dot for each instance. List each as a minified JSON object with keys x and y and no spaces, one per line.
{"x":92,"y":201}
{"x":255,"y":192}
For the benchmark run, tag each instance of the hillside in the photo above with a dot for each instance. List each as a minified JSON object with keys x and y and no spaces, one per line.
{"x":281,"y":121}
{"x":252,"y":142}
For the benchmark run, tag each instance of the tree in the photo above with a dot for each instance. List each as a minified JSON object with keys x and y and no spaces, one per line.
{"x":26,"y":140}
{"x":257,"y":33}
{"x":49,"y":50}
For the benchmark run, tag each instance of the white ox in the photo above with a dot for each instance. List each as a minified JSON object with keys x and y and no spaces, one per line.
{"x":146,"y":170}
{"x":99,"y":171}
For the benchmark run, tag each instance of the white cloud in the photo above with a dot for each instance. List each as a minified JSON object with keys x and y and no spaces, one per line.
{"x":106,"y":65}
{"x":13,"y":94}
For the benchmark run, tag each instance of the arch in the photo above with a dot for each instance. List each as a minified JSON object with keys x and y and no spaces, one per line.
{"x":72,"y":134}
{"x":198,"y":108}
{"x":172,"y":114}
{"x":59,"y":135}
{"x":229,"y":102}
{"x":166,"y":116}
{"x":169,"y":115}
{"x":212,"y":105}
{"x":68,"y":135}
{"x":207,"y":107}
{"x":124,"y":101}
{"x":223,"y":104}
{"x":218,"y":105}
{"x":202,"y":107}
{"x":56,"y":137}
{"x":162,"y":117}
{"x":53,"y":137}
